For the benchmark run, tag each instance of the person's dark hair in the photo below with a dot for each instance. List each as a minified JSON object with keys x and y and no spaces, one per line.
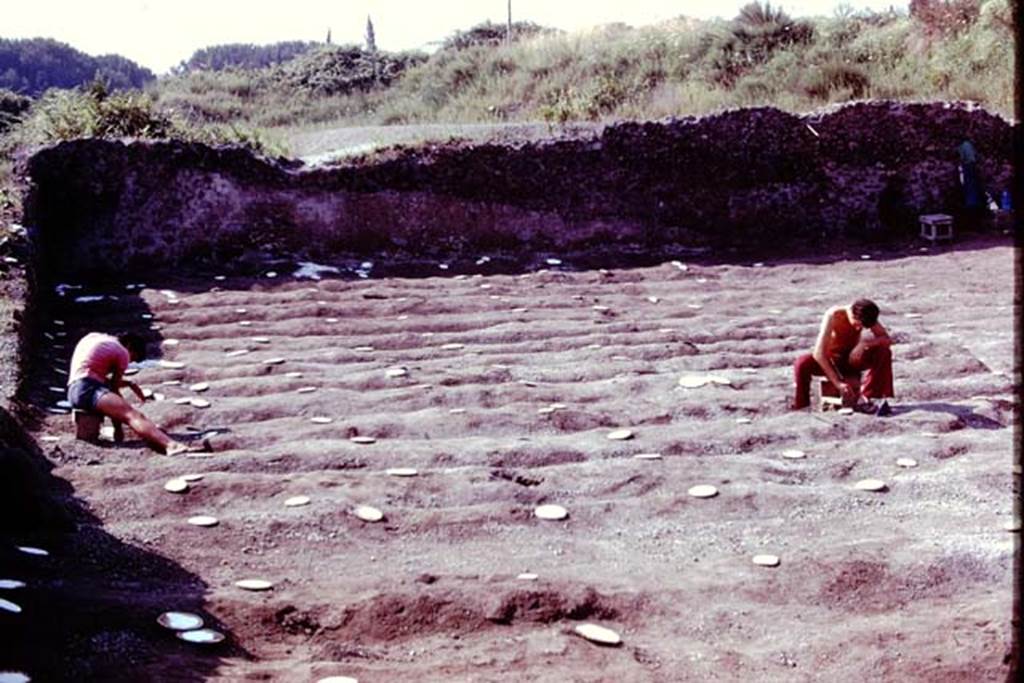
{"x":135,"y":344}
{"x":866,"y":311}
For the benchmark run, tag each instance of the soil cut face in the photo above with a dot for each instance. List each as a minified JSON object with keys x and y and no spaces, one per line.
{"x":511,"y":385}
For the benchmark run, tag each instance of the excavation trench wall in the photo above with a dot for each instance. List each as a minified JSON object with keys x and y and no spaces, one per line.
{"x":750,"y":178}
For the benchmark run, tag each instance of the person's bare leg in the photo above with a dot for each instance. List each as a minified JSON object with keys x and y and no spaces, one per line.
{"x":119,"y":410}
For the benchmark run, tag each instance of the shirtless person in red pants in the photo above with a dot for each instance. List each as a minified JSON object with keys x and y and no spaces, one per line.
{"x":840,"y":351}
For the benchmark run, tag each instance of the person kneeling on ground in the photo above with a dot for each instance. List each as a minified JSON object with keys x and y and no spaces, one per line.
{"x":96,"y":378}
{"x":841,"y":351}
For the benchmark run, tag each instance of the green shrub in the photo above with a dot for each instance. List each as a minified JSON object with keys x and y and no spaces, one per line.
{"x":837,"y":77}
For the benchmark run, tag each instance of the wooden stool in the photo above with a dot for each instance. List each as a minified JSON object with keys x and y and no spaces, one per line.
{"x":830,"y":399}
{"x":936,"y":226}
{"x":87,"y":425}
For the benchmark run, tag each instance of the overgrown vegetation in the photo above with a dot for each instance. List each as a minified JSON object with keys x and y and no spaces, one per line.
{"x":243,"y":56}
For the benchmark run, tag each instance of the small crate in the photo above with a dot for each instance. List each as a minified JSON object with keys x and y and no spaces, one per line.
{"x":87,"y":425}
{"x":936,"y":226}
{"x":830,"y":399}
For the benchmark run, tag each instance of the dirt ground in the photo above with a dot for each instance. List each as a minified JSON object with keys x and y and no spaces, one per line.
{"x":914,"y":583}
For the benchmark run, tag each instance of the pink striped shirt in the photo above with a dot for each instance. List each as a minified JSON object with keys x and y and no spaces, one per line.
{"x":97,"y":355}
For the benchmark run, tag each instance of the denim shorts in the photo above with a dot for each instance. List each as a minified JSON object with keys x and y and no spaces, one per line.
{"x":85,"y":392}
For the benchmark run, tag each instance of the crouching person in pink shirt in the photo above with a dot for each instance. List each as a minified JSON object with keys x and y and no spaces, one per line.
{"x":97,"y":377}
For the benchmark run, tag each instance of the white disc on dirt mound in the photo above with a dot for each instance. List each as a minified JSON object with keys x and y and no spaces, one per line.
{"x":456,"y":411}
{"x":199,"y":386}
{"x":14,"y":677}
{"x":11,"y":584}
{"x":171,"y":342}
{"x":527,"y":576}
{"x":452,"y":347}
{"x":906,"y":462}
{"x":200,"y":403}
{"x":743,"y":420}
{"x":363,"y":349}
{"x":793,"y":454}
{"x":296,"y":501}
{"x":236,"y":353}
{"x":703,"y":491}
{"x":261,"y":340}
{"x":719,"y":379}
{"x":647,"y":456}
{"x":293,"y":374}
{"x":545,"y":411}
{"x":363,"y":439}
{"x":178,"y":485}
{"x":766,"y":560}
{"x":331,"y":320}
{"x":846,"y":411}
{"x":558,"y":406}
{"x":305,"y":390}
{"x":692,"y":381}
{"x":553,"y":512}
{"x":202,"y":636}
{"x":191,"y":477}
{"x":870,"y":485}
{"x":180,"y":621}
{"x":402,"y":471}
{"x":254,"y":584}
{"x":273,"y":361}
{"x":396,"y":372}
{"x":321,"y":420}
{"x":29,"y":550}
{"x":184,"y":400}
{"x":8,"y":606}
{"x":51,"y":439}
{"x":553,"y":261}
{"x":203,"y":520}
{"x":171,"y":364}
{"x":338,"y":679}
{"x":913,"y":315}
{"x":598,"y":634}
{"x":600,"y":309}
{"x":368,"y":513}
{"x":620,"y":435}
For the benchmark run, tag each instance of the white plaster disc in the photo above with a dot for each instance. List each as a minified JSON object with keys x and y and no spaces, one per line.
{"x":203,"y":520}
{"x":703,"y":491}
{"x":200,"y":403}
{"x":338,"y":679}
{"x":201,"y":636}
{"x":906,"y":462}
{"x":171,"y":342}
{"x":599,"y":308}
{"x":402,"y":471}
{"x":363,"y":439}
{"x":913,"y":315}
{"x":184,"y":400}
{"x":273,"y":361}
{"x":620,"y":435}
{"x":254,"y":584}
{"x":846,"y":411}
{"x":552,"y":512}
{"x":180,"y":621}
{"x":545,"y":411}
{"x":647,"y":456}
{"x":220,"y":278}
{"x":305,"y":390}
{"x":11,"y":584}
{"x":396,"y":372}
{"x":527,"y":576}
{"x":452,"y":347}
{"x":719,"y":379}
{"x":241,"y":311}
{"x":559,"y":406}
{"x":191,"y":477}
{"x":693,"y":381}
{"x":553,"y":261}
{"x":245,"y":323}
{"x":176,"y":486}
{"x":236,"y":353}
{"x":261,"y":340}
{"x":368,"y":513}
{"x":321,"y":420}
{"x":50,"y":439}
{"x":743,"y":420}
{"x":199,"y":386}
{"x":766,"y":560}
{"x":293,"y":374}
{"x":8,"y":606}
{"x":296,"y":501}
{"x":793,"y":454}
{"x":29,"y":550}
{"x":870,"y":485}
{"x":456,"y":411}
{"x":363,"y":349}
{"x":653,"y":299}
{"x":171,"y":364}
{"x":598,"y":634}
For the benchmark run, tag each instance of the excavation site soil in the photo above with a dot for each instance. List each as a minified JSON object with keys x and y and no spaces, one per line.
{"x":456,"y":399}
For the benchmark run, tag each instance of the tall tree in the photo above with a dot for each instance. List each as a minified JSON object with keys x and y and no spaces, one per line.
{"x":371,"y":38}
{"x":328,"y":36}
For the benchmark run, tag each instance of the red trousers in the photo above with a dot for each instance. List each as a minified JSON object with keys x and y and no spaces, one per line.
{"x":876,"y":361}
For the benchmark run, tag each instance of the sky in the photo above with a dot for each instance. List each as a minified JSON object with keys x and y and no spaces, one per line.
{"x":159,"y":34}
